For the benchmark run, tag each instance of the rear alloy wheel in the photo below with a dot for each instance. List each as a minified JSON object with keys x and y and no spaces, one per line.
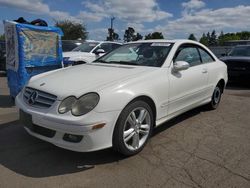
{"x":216,"y":97}
{"x":133,"y":128}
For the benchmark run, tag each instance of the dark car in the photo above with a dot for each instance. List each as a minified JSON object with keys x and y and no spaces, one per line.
{"x":238,"y":62}
{"x":69,"y":45}
{"x":2,"y":56}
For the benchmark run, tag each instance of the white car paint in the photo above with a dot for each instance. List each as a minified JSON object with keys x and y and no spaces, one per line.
{"x":117,"y":85}
{"x":86,"y":57}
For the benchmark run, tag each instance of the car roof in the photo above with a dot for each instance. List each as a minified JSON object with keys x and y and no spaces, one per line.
{"x":168,"y":41}
{"x":103,"y":41}
{"x":247,"y":45}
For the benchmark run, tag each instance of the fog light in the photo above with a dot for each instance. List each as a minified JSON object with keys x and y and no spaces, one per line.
{"x":72,"y":138}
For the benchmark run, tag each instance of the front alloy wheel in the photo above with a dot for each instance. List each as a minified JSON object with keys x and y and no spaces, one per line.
{"x":133,"y":128}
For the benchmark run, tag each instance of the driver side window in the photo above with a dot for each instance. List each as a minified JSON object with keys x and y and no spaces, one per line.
{"x":188,"y":54}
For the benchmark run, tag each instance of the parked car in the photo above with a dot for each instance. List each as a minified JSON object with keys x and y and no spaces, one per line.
{"x":117,"y":100}
{"x":88,"y":52}
{"x":69,"y":45}
{"x":238,"y":62}
{"x":2,"y":56}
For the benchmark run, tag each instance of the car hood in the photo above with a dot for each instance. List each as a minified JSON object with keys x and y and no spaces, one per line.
{"x":81,"y":79}
{"x":76,"y":54}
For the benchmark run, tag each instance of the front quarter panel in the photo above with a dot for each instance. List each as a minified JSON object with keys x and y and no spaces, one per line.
{"x":153,"y":85}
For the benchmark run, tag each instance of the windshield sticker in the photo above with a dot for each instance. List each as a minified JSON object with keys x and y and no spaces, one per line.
{"x":160,"y":44}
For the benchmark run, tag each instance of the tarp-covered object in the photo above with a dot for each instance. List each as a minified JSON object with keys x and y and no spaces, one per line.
{"x":30,"y":50}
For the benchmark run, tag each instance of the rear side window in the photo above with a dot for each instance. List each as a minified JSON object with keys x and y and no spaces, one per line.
{"x":188,"y":54}
{"x":205,"y":56}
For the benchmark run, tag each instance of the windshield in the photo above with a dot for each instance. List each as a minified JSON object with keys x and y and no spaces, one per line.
{"x":240,"y":51}
{"x":85,"y":47}
{"x":140,"y":54}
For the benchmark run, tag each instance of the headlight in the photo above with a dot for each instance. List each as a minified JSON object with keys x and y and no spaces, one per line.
{"x":66,"y":105}
{"x":85,"y":104}
{"x":80,"y":106}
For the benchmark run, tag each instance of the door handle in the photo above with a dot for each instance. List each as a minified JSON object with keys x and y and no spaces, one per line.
{"x":204,"y":71}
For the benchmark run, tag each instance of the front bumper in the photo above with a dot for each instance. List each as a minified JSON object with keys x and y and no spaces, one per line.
{"x":66,"y":124}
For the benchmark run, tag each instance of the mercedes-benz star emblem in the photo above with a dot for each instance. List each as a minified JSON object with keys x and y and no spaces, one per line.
{"x":32,"y":98}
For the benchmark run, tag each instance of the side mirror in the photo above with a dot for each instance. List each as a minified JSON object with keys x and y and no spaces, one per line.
{"x":181,"y":65}
{"x":99,"y":51}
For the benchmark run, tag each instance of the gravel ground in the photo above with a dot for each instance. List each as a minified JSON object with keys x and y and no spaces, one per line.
{"x":197,"y":149}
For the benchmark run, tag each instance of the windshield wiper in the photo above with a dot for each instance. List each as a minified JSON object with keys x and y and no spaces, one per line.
{"x":123,"y":62}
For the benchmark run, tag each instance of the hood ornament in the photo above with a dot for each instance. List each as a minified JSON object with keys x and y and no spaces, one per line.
{"x":42,"y":84}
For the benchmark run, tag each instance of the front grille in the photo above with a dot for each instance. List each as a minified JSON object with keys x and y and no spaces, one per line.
{"x":38,"y":98}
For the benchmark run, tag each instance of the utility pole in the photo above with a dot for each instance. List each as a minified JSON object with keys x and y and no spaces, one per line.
{"x":111,"y":30}
{"x":112,"y":20}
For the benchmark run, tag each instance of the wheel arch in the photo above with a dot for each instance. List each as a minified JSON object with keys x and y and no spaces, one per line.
{"x":222,"y":83}
{"x":148,"y":100}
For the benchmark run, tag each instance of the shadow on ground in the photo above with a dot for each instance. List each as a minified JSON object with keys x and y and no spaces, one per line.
{"x":32,"y":157}
{"x":6,"y":101}
{"x":3,"y":74}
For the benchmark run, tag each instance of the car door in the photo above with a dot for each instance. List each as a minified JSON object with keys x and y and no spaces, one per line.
{"x":186,"y":88}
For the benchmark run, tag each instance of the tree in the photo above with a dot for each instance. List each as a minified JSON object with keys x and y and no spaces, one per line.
{"x":131,"y":35}
{"x":2,"y":37}
{"x":204,"y":40}
{"x":137,"y":36}
{"x":192,"y":37}
{"x":244,"y":35}
{"x":208,"y":37}
{"x":72,"y":30}
{"x":154,"y":35}
{"x":213,"y":39}
{"x":221,"y":38}
{"x":112,"y":35}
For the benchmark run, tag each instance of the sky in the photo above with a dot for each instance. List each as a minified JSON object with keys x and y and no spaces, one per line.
{"x":174,"y":18}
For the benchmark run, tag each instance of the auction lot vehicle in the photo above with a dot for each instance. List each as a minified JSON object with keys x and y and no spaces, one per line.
{"x":88,"y":52}
{"x":2,"y":56}
{"x":69,"y":45}
{"x":238,"y":62}
{"x":117,"y":100}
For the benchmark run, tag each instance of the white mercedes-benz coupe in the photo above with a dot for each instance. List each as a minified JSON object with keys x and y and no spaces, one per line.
{"x":117,"y":100}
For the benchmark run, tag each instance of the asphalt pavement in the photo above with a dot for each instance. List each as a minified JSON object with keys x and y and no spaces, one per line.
{"x":197,"y":149}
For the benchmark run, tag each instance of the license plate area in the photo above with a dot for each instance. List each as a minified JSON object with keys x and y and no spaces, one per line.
{"x":26,"y":119}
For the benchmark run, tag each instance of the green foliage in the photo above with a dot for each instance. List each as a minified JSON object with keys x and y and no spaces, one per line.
{"x":154,"y":35}
{"x":2,"y":37}
{"x":130,"y":35}
{"x":192,"y":37}
{"x":212,"y":39}
{"x":204,"y":39}
{"x":72,"y":30}
{"x":112,"y":35}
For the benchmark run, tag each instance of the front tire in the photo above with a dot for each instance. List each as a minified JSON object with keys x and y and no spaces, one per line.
{"x":133,"y":128}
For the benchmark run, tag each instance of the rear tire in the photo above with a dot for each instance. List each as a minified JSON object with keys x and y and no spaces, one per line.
{"x":216,"y":97}
{"x":133,"y":128}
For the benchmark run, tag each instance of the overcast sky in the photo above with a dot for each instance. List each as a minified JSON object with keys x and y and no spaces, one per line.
{"x":174,"y":18}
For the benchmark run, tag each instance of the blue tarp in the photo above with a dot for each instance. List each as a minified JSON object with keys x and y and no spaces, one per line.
{"x":30,"y":50}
